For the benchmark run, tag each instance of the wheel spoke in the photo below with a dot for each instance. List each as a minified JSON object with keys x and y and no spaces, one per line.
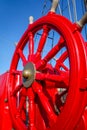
{"x":31,"y":109}
{"x":63,"y":56}
{"x":23,"y":58}
{"x":50,"y":54}
{"x":44,"y":101}
{"x":43,"y":39}
{"x":31,"y":43}
{"x":59,"y":62}
{"x":59,"y":65}
{"x":64,"y":67}
{"x":54,"y":50}
{"x":16,"y":72}
{"x":57,"y":79}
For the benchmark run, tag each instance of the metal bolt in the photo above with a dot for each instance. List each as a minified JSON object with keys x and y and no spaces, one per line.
{"x":27,"y":74}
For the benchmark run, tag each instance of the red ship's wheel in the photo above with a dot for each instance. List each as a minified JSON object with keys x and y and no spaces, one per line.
{"x":40,"y":78}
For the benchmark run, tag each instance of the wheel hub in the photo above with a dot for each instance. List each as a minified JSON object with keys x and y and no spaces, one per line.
{"x":28,"y":74}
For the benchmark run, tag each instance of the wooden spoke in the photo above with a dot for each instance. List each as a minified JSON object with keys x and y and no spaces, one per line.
{"x":44,"y":101}
{"x":50,"y":54}
{"x":31,"y":109}
{"x":60,"y":60}
{"x":43,"y":39}
{"x":31,"y":43}
{"x":57,"y":79}
{"x":23,"y":58}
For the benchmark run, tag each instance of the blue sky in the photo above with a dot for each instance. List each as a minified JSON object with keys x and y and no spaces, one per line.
{"x":14,"y":21}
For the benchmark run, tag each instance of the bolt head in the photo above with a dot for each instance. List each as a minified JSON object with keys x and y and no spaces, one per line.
{"x":27,"y":74}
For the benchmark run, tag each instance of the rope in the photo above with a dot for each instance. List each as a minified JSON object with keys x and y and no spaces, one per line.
{"x":69,"y":10}
{"x":62,"y":6}
{"x":44,"y":7}
{"x":74,"y":10}
{"x":85,"y":3}
{"x":60,"y":11}
{"x":83,"y":11}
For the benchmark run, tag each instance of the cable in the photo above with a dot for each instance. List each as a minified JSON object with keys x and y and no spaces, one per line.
{"x":60,"y":11}
{"x":83,"y":11}
{"x":44,"y":7}
{"x":74,"y":10}
{"x":62,"y":6}
{"x":85,"y":3}
{"x":65,"y":8}
{"x":83,"y":6}
{"x":69,"y":10}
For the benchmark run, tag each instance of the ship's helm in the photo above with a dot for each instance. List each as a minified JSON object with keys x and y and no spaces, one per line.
{"x":48,"y":91}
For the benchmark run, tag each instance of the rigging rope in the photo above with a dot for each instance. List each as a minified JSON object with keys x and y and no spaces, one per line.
{"x":83,"y":11}
{"x":60,"y":10}
{"x":85,"y":3}
{"x":69,"y":10}
{"x":44,"y":7}
{"x":74,"y":10}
